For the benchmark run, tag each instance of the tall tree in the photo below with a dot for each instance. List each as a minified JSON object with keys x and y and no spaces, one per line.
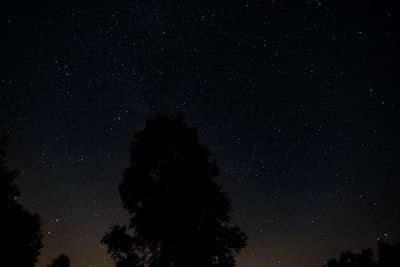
{"x":21,"y":237}
{"x":179,"y":215}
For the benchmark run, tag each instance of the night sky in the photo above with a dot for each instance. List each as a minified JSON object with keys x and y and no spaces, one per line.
{"x":297,"y":100}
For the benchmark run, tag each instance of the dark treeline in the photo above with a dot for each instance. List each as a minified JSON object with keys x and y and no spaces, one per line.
{"x":388,"y":255}
{"x":179,"y":215}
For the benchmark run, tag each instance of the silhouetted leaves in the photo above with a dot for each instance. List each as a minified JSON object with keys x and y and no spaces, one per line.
{"x":61,"y":261}
{"x":21,"y":237}
{"x":388,"y":256}
{"x":8,"y":190}
{"x":179,"y":215}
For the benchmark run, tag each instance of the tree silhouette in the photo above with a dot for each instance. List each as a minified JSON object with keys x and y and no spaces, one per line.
{"x":364,"y":259}
{"x":61,"y":261}
{"x":21,"y":237}
{"x":179,"y":215}
{"x":388,"y":256}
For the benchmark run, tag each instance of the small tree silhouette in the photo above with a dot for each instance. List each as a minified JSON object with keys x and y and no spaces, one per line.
{"x":388,"y":256}
{"x":61,"y":261}
{"x":179,"y":215}
{"x":21,"y":237}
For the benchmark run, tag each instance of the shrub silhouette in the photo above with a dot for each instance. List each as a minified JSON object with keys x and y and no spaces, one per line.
{"x":21,"y":236}
{"x":388,"y":256}
{"x":179,"y":215}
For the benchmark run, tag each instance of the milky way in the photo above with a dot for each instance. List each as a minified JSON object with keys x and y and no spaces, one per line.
{"x":297,"y":101}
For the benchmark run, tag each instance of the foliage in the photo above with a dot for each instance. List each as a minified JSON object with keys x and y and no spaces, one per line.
{"x":22,"y":239}
{"x":388,"y":256}
{"x":179,"y":215}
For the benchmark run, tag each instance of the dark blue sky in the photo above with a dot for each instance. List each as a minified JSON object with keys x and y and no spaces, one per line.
{"x":297,"y":101}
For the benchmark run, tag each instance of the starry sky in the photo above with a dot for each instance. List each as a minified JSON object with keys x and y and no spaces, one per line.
{"x":297,"y":100}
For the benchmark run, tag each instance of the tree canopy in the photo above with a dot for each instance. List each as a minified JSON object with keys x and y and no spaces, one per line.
{"x":22,"y":238}
{"x":179,"y":214}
